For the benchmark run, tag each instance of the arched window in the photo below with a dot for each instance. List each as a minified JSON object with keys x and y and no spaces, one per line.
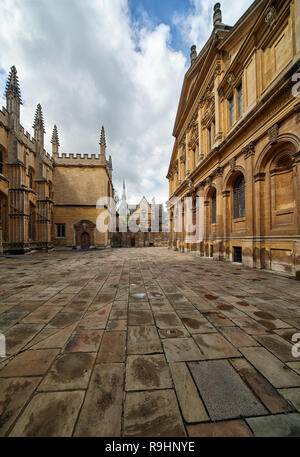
{"x":30,"y":174}
{"x":214,"y":207}
{"x":1,"y":161}
{"x":239,"y":197}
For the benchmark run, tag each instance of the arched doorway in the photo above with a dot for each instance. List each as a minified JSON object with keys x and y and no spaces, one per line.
{"x":85,"y":240}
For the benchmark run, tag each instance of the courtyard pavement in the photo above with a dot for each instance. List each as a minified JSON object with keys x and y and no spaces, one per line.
{"x":146,"y":342}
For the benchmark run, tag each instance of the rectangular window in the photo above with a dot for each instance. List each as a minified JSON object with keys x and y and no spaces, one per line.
{"x":240,"y":100}
{"x":231,"y":111}
{"x":237,"y":254}
{"x":60,"y":230}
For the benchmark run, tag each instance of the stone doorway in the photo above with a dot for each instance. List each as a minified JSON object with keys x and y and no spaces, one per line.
{"x":85,"y":240}
{"x":132,"y":242}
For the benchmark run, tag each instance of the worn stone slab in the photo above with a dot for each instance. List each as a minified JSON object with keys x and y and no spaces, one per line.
{"x":118,"y":314}
{"x":250,"y":326}
{"x":167,"y":320}
{"x":18,"y":336}
{"x":147,"y":372}
{"x":227,"y":397}
{"x":215,"y":346}
{"x":152,"y":414}
{"x":278,"y":346}
{"x":191,"y":404}
{"x":57,"y":339}
{"x":62,"y":320}
{"x":112,"y":348}
{"x":14,"y":393}
{"x":181,"y":350}
{"x":69,"y":372}
{"x":118,"y":325}
{"x":8,"y":319}
{"x":178,"y":332}
{"x":51,"y":414}
{"x":294,"y":366}
{"x":106,"y":392}
{"x":140,"y":317}
{"x":43,"y":314}
{"x":283,"y":425}
{"x":292,"y":396}
{"x":278,"y":374}
{"x":238,"y":337}
{"x":29,"y":363}
{"x":218,"y":319}
{"x":198,"y":325}
{"x":84,"y":341}
{"x":143,"y":340}
{"x":227,"y":429}
{"x":261,"y":387}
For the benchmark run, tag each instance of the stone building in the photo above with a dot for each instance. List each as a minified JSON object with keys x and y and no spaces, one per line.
{"x":237,"y":140}
{"x":141,"y":225}
{"x":45,"y":200}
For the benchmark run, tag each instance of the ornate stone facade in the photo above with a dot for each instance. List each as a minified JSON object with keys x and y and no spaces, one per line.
{"x":47,"y":200}
{"x":245,"y":164}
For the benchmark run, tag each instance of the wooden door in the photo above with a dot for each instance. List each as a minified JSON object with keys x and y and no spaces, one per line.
{"x":85,"y":240}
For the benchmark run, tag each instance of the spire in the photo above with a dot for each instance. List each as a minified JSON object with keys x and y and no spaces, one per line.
{"x":12,"y":85}
{"x":193,"y":54}
{"x":55,"y":140}
{"x":217,"y":14}
{"x":110,"y":162}
{"x":102,"y":141}
{"x":38,"y":126}
{"x":124,"y":191}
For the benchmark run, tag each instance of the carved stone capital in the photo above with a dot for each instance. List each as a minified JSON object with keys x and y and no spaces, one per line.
{"x":219,"y":172}
{"x":232,"y":164}
{"x":259,"y":177}
{"x":226,"y":193}
{"x":249,"y":150}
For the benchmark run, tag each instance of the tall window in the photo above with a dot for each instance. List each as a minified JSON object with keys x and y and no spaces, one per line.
{"x":239,"y":197}
{"x":1,"y":161}
{"x":214,"y":207}
{"x":209,"y":138}
{"x":60,"y":230}
{"x":194,"y":157}
{"x":30,"y":174}
{"x":240,"y":100}
{"x":231,"y":111}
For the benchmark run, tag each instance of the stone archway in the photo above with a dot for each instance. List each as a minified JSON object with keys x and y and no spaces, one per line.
{"x":84,"y":234}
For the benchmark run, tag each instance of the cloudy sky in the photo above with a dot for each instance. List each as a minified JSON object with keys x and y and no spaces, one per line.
{"x":119,"y":63}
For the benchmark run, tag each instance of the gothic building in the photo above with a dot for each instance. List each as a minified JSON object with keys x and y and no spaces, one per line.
{"x":46,"y":200}
{"x":237,"y":140}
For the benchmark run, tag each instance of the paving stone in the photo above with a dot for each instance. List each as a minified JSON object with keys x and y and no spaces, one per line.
{"x":117,"y":325}
{"x":56,"y":340}
{"x":167,"y":320}
{"x":278,"y":346}
{"x":238,"y":337}
{"x":218,"y":319}
{"x":69,"y":372}
{"x":43,"y":314}
{"x":118,"y":314}
{"x":261,"y":387}
{"x":51,"y":414}
{"x":215,"y":346}
{"x":292,"y":396}
{"x":191,"y":404}
{"x":295,"y":366}
{"x":250,"y":326}
{"x":106,"y":392}
{"x":283,"y":425}
{"x":198,"y":325}
{"x":287,"y":334}
{"x":181,"y":349}
{"x":85,"y":341}
{"x":112,"y":348}
{"x":140,"y":317}
{"x":18,"y":336}
{"x":29,"y":363}
{"x":152,"y":414}
{"x":218,"y":395}
{"x":14,"y":393}
{"x":8,"y":319}
{"x":143,"y":340}
{"x":147,"y":372}
{"x":62,"y":320}
{"x":228,"y":429}
{"x":278,"y":374}
{"x":178,"y":332}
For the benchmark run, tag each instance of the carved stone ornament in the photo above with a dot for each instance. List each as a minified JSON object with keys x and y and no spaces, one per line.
{"x":273,"y":133}
{"x":249,"y":150}
{"x":271,"y":16}
{"x":191,"y":186}
{"x":232,"y":164}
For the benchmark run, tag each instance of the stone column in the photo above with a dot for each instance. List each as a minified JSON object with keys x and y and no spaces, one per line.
{"x":249,"y":248}
{"x":226,"y":223}
{"x":259,"y":193}
{"x":219,"y":254}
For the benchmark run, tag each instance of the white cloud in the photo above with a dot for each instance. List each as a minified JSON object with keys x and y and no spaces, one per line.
{"x":88,"y":65}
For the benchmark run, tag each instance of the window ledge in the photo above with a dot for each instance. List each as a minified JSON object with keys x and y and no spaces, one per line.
{"x":239,"y":219}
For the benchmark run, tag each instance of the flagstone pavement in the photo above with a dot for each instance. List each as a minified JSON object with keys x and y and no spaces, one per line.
{"x":146,"y":342}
